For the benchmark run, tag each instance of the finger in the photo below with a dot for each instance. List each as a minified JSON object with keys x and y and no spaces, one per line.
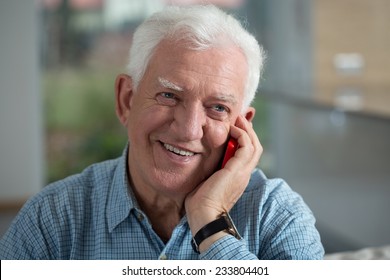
{"x":246,"y":136}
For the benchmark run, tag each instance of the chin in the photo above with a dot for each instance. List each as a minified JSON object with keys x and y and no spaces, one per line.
{"x":178,"y":184}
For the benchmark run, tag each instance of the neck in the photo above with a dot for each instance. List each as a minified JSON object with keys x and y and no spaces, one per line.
{"x":163,"y":210}
{"x":163,"y":213}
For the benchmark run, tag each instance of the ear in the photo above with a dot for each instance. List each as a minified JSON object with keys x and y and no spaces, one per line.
{"x":123,"y":96}
{"x":250,"y":114}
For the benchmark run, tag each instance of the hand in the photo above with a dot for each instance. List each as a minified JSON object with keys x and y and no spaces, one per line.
{"x":221,"y":190}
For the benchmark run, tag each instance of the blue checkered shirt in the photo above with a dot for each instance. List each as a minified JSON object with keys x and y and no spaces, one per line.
{"x":94,"y":215}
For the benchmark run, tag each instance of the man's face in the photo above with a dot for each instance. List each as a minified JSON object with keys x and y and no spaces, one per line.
{"x":180,"y":116}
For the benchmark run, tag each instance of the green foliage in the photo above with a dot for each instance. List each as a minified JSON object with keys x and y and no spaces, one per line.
{"x":81,"y":125}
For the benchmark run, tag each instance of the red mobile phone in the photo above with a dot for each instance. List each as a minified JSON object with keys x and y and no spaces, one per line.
{"x":231,"y":148}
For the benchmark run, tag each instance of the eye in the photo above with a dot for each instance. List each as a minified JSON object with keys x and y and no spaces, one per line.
{"x":167,"y":95}
{"x":166,"y":99}
{"x":219,"y":112}
{"x":220,"y":108}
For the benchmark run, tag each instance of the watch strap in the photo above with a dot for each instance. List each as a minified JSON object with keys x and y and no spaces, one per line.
{"x":223,"y":223}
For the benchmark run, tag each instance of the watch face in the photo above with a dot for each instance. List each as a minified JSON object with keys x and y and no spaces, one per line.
{"x":231,"y":227}
{"x":195,"y":246}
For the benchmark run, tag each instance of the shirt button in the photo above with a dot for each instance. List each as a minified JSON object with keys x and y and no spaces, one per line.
{"x":140,"y":217}
{"x":163,"y":257}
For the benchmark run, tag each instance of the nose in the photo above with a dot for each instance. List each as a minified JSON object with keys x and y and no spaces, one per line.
{"x":189,"y":122}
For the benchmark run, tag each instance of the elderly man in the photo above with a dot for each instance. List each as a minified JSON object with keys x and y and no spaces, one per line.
{"x":192,"y":75}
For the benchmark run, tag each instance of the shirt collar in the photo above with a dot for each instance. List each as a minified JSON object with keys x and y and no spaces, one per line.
{"x":121,"y":198}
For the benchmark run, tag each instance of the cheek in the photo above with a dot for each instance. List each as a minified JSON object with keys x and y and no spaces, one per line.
{"x":139,"y":129}
{"x":145,"y":119}
{"x":217,"y":138}
{"x":221,"y":134}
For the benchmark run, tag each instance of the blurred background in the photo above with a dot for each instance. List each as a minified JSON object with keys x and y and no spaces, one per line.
{"x":323,"y":107}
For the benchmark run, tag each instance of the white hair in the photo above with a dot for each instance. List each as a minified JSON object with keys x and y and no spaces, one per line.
{"x":203,"y":26}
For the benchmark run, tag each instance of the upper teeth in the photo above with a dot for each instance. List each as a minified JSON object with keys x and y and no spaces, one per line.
{"x":178,"y":151}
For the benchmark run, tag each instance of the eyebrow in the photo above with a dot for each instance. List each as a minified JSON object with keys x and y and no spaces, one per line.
{"x":168,"y":84}
{"x":227,"y":98}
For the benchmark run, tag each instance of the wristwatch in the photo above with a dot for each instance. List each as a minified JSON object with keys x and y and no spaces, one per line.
{"x":223,"y":223}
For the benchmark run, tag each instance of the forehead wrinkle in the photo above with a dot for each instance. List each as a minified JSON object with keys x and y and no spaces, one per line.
{"x":168,"y":84}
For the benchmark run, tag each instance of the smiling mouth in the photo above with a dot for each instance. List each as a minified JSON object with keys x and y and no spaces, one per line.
{"x":178,"y":151}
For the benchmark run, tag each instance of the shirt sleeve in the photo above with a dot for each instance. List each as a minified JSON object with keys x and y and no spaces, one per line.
{"x":287,"y":228}
{"x":228,"y":248}
{"x":24,"y":239}
{"x":275,"y":223}
{"x":295,"y":238}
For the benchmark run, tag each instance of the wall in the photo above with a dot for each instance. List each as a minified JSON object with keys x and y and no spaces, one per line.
{"x":21,"y":154}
